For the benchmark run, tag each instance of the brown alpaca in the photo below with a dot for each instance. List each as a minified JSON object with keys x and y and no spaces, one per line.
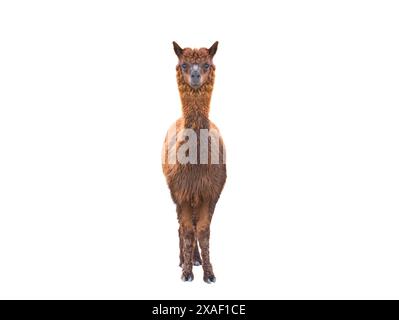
{"x":197,"y":177}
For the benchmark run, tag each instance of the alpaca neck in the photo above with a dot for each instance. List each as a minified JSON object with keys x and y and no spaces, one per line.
{"x":196,"y":111}
{"x":195,"y":103}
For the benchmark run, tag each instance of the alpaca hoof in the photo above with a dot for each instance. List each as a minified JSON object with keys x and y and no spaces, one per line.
{"x":197,"y":262}
{"x":210,"y":279}
{"x":187,"y":277}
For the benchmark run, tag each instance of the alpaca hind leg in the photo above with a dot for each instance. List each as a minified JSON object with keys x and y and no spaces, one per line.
{"x":188,"y":235}
{"x":197,"y":257}
{"x":203,"y":234}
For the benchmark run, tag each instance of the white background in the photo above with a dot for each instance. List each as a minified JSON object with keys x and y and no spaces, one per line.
{"x":306,"y":97}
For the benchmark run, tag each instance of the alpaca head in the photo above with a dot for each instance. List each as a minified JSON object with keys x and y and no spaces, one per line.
{"x":195,"y":65}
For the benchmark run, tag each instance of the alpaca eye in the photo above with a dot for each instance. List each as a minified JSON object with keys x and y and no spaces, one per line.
{"x":184,"y":65}
{"x":206,"y":66}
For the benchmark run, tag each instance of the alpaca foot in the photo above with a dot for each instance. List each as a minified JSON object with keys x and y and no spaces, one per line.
{"x":187,"y":276}
{"x":209,"y":278}
{"x":197,"y":257}
{"x":197,"y":262}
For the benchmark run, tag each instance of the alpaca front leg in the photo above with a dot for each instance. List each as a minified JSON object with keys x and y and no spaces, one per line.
{"x":197,"y":261}
{"x":197,"y":257}
{"x":188,"y":237}
{"x":203,"y":234}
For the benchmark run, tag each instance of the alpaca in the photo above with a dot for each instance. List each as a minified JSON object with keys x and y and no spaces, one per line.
{"x":195,"y":183}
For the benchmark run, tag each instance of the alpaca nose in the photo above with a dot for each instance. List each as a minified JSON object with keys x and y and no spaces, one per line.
{"x":195,"y":76}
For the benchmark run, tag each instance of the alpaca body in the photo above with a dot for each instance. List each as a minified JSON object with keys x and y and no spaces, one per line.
{"x":195,"y":185}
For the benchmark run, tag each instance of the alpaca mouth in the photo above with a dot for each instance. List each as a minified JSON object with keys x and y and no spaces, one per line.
{"x":195,"y":85}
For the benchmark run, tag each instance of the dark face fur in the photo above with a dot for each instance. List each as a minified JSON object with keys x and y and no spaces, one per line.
{"x":195,"y":64}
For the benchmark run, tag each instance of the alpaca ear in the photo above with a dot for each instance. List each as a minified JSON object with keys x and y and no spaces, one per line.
{"x":212,"y":50}
{"x":177,"y":49}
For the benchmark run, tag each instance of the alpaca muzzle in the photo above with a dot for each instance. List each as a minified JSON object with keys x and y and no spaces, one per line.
{"x":195,"y":76}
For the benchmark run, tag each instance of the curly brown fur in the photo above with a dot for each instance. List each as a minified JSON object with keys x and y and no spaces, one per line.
{"x":195,"y":188}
